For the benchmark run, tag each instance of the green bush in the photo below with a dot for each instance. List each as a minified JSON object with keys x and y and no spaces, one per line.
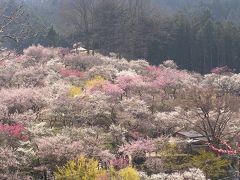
{"x":210,"y":163}
{"x":80,"y":170}
{"x":88,"y":170}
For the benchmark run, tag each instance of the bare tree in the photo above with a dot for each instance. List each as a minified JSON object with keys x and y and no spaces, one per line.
{"x":79,"y":13}
{"x":12,"y":24}
{"x":208,"y":112}
{"x":119,"y":26}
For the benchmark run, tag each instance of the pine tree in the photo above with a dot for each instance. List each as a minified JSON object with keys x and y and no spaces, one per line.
{"x":52,"y":37}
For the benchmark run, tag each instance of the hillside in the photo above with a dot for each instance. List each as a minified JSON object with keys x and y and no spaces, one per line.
{"x":119,"y":89}
{"x":57,"y":104}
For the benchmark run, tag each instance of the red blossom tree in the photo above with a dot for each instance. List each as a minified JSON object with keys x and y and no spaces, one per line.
{"x":68,"y":72}
{"x":229,"y":150}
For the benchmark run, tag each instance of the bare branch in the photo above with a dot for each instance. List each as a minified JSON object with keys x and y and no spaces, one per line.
{"x":12,"y":25}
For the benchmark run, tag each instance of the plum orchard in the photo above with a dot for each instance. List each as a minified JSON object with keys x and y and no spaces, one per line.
{"x":56,"y":105}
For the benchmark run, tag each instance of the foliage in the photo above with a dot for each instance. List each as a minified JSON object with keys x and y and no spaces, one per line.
{"x":82,"y":169}
{"x":173,"y":157}
{"x":128,"y":173}
{"x":85,"y":169}
{"x":97,"y":81}
{"x":211,"y":164}
{"x":75,"y":91}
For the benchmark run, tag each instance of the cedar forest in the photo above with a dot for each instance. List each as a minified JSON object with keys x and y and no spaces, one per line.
{"x":119,"y":90}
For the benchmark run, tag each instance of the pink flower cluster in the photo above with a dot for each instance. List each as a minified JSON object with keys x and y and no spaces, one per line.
{"x":14,"y":131}
{"x":141,"y":145}
{"x":111,"y":89}
{"x":129,"y":82}
{"x":231,"y":150}
{"x":19,"y":58}
{"x":134,"y":134}
{"x":120,"y":162}
{"x":68,"y":72}
{"x":222,"y":70}
{"x":105,"y":87}
{"x":153,"y":69}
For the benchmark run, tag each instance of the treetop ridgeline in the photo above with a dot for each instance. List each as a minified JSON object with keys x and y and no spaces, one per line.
{"x":198,"y":35}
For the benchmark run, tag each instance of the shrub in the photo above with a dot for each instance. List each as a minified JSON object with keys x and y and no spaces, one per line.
{"x":85,"y":169}
{"x":210,"y":163}
{"x":173,"y":157}
{"x":81,"y":62}
{"x":75,"y":91}
{"x":68,"y":72}
{"x":36,"y":54}
{"x":97,"y":82}
{"x":128,"y":173}
{"x":80,"y":170}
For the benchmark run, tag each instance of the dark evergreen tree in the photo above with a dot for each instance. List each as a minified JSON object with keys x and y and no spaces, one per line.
{"x":52,"y":37}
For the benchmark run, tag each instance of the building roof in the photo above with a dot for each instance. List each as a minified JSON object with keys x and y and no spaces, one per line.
{"x":190,"y":134}
{"x":81,"y":49}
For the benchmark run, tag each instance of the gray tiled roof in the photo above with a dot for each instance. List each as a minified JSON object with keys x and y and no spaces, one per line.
{"x":190,"y":134}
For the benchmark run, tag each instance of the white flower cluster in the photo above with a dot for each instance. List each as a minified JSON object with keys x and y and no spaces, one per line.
{"x":192,"y":174}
